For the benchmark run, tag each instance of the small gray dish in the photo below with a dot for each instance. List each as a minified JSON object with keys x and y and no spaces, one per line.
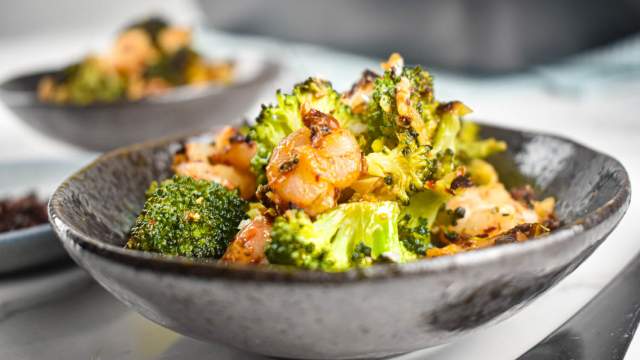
{"x":374,"y":312}
{"x":37,"y":245}
{"x":101,"y":127}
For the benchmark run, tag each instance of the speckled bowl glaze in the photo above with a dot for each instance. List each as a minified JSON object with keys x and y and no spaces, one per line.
{"x":102,"y":127}
{"x":374,"y":312}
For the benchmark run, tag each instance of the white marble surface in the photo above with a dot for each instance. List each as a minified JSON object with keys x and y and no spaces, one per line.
{"x":604,"y":118}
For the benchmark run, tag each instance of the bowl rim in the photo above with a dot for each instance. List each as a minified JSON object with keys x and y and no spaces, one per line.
{"x":28,"y":164}
{"x":269,"y":67}
{"x":11,"y":236}
{"x":616,"y":206}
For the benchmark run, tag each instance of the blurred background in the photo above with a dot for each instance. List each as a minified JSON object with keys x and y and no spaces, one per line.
{"x":569,"y":67}
{"x":570,"y":50}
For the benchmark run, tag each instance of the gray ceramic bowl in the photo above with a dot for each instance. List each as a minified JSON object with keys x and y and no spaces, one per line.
{"x":37,"y":245}
{"x":107,"y":126}
{"x":382,"y":310}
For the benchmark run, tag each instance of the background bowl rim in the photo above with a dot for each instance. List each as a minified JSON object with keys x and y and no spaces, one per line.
{"x":268,"y":66}
{"x":19,"y":234}
{"x":211,"y":268}
{"x":11,"y":236}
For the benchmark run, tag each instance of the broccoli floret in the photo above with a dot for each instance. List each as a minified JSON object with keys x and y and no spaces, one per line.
{"x":416,"y":220}
{"x":353,"y":234}
{"x":173,"y":67}
{"x":414,"y":119}
{"x":444,"y":139}
{"x":403,"y":171}
{"x":88,"y":82}
{"x":277,"y":121}
{"x":188,"y":217}
{"x":481,"y":172}
{"x":412,"y":138}
{"x":414,"y":150}
{"x":411,"y":167}
{"x":469,"y":146}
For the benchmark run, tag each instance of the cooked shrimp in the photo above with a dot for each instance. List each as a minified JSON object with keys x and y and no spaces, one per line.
{"x":227,"y":162}
{"x":248,"y":245}
{"x":309,"y":167}
{"x":224,"y":175}
{"x":232,"y":148}
{"x":198,"y":151}
{"x":174,"y":38}
{"x":132,"y":51}
{"x":489,"y":210}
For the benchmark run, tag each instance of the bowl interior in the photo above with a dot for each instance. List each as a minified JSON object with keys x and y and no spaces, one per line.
{"x":101,"y":202}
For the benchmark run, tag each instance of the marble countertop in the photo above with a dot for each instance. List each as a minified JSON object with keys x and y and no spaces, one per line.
{"x":62,"y":314}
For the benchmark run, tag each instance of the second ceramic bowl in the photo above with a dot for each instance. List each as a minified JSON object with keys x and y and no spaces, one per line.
{"x":37,"y":245}
{"x":106,"y":126}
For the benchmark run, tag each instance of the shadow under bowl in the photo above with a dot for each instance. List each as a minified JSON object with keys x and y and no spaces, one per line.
{"x":101,"y":127}
{"x":378,"y":311}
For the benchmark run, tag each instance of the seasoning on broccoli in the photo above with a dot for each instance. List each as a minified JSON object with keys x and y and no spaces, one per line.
{"x":188,"y":217}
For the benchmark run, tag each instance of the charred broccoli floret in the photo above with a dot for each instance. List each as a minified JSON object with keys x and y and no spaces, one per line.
{"x":415,"y":143}
{"x":402,"y":107}
{"x":411,"y":167}
{"x":188,"y":217}
{"x":417,"y":149}
{"x":411,"y":136}
{"x":277,"y":121}
{"x":353,"y":234}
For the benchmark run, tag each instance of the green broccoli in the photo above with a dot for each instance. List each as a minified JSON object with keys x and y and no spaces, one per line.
{"x":413,"y":139}
{"x":173,"y":67}
{"x":352,"y":234}
{"x":403,"y":171}
{"x":416,"y":147}
{"x":469,"y":146}
{"x":410,"y":167}
{"x":416,"y":219}
{"x":393,"y":127}
{"x":188,"y":217}
{"x":87,"y":83}
{"x":277,"y":121}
